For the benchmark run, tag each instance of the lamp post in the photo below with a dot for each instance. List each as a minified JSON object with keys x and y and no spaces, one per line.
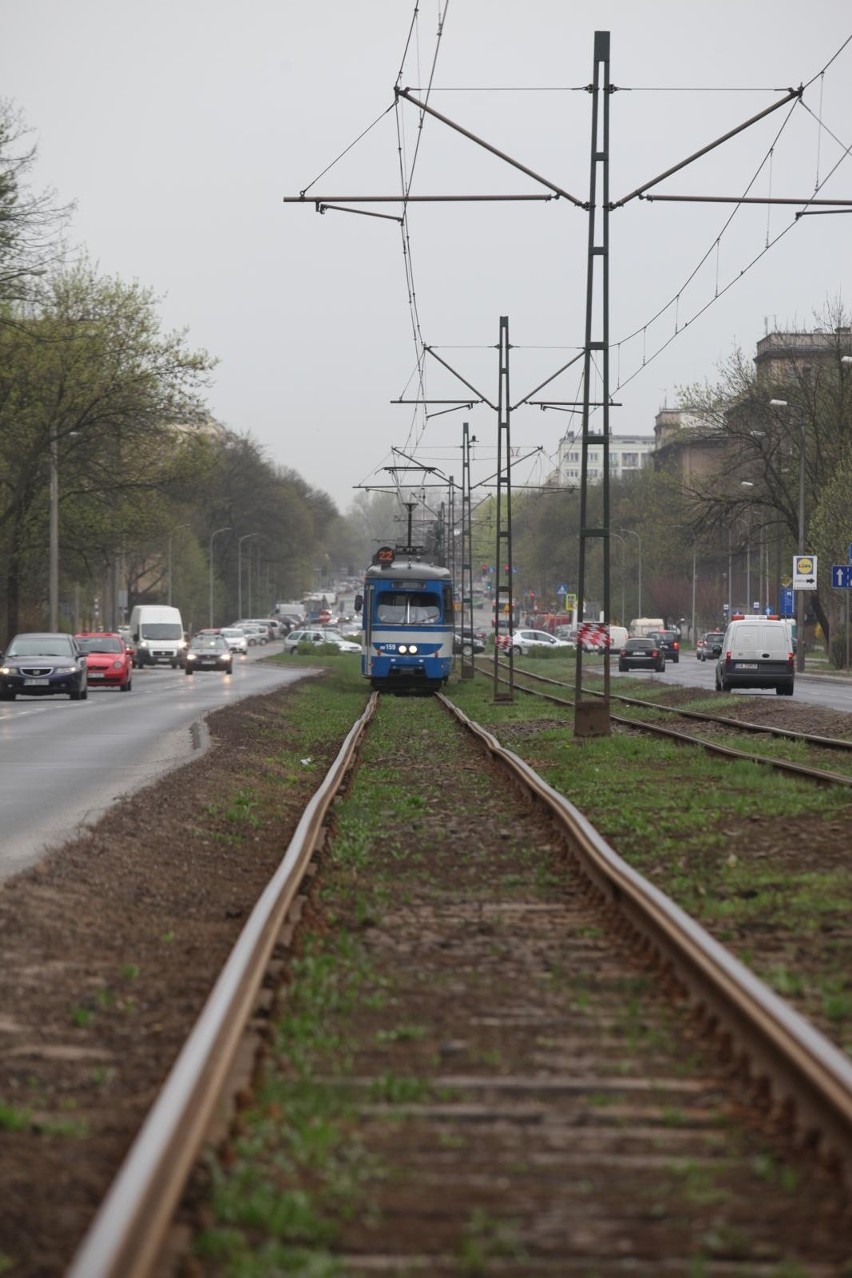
{"x":631,"y":533}
{"x":171,"y":534}
{"x":53,"y":537}
{"x":621,"y":539}
{"x":215,"y":533}
{"x":240,"y":541}
{"x":800,"y":594}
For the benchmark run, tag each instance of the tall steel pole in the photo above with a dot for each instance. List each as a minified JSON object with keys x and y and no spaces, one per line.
{"x":503,"y":597}
{"x":591,"y":716}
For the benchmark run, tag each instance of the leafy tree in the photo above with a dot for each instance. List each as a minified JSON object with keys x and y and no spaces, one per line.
{"x":87,"y":382}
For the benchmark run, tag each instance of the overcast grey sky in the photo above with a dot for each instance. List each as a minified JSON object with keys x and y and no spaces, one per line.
{"x":177,"y":126}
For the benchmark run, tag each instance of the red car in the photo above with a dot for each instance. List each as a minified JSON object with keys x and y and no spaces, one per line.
{"x":108,"y":659}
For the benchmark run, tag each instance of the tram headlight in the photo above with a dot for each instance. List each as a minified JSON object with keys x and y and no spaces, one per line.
{"x":410,"y":648}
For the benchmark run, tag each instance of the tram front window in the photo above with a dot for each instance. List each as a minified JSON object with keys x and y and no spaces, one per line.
{"x":407,"y":608}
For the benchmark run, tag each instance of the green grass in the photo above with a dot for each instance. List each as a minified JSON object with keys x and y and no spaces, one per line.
{"x":298,"y":1169}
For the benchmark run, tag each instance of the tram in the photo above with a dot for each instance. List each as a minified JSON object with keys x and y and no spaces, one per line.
{"x":407,"y":621}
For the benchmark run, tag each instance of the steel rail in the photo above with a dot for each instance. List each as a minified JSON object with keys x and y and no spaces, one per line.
{"x":804,"y":1078}
{"x":822,"y":776}
{"x":742,"y":725}
{"x":126,"y":1235}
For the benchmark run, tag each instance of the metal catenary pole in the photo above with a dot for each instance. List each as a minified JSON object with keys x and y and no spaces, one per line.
{"x":591,"y":717}
{"x":503,"y":601}
{"x":467,"y":662}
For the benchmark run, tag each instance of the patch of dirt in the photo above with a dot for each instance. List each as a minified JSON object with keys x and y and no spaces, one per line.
{"x":108,"y":949}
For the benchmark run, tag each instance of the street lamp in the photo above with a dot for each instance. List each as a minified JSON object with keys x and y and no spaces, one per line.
{"x":800,"y":594}
{"x":171,"y":534}
{"x":212,"y":535}
{"x":53,"y":547}
{"x":621,"y":539}
{"x":240,"y":541}
{"x":631,"y":533}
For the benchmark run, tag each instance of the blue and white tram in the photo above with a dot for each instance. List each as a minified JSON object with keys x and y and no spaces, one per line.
{"x":407,"y":620}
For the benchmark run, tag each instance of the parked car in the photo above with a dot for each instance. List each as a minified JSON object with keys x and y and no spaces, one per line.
{"x":316,"y":636}
{"x":525,"y":642}
{"x":757,"y":652}
{"x":641,"y":654}
{"x":468,"y":640}
{"x":209,"y":652}
{"x":704,"y":649}
{"x":669,"y":641}
{"x":39,"y":664}
{"x":108,"y":661}
{"x":254,"y":634}
{"x":235,"y":639}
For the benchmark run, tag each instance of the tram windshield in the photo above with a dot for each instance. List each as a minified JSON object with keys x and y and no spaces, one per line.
{"x":407,"y":608}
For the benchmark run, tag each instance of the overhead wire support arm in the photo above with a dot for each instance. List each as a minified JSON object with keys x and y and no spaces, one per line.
{"x":839,"y":205}
{"x":548,"y":380}
{"x":711,"y":146}
{"x":516,"y":164}
{"x":323,"y":202}
{"x":338,"y":208}
{"x":483,"y":399}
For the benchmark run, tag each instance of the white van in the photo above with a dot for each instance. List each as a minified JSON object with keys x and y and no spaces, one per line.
{"x":757,"y":652}
{"x":157,"y":634}
{"x":618,"y":637}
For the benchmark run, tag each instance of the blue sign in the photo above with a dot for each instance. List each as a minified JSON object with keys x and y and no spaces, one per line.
{"x":562,"y":590}
{"x":841,"y":576}
{"x":787,"y":608}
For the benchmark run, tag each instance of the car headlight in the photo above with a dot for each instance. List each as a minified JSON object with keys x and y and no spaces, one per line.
{"x":66,"y":669}
{"x":190,"y":656}
{"x":7,"y":669}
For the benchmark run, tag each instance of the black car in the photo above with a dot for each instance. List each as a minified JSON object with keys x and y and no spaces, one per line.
{"x":669,"y":641}
{"x":641,"y":654}
{"x":43,"y":665}
{"x":469,"y":640}
{"x":209,"y":652}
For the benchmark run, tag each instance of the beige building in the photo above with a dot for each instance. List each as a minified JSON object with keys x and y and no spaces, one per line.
{"x":627,"y":456}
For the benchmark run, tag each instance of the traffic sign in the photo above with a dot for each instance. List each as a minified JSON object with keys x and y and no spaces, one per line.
{"x":804,"y":572}
{"x":841,"y":576}
{"x":562,"y":590}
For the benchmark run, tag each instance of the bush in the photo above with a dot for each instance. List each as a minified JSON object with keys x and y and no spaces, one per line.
{"x":837,"y":649}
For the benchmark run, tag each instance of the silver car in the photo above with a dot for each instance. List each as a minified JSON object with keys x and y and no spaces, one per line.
{"x":524,"y":642}
{"x":313,"y":635}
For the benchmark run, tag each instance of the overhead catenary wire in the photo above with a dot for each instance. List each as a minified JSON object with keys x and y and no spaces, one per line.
{"x":679,"y":299}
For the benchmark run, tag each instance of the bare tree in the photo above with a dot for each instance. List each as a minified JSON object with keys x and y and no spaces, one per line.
{"x":31,"y":223}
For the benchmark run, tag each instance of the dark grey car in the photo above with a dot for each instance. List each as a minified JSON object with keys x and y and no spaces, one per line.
{"x":641,"y":654}
{"x":43,"y":665}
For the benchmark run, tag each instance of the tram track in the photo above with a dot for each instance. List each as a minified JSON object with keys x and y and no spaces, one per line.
{"x":788,"y":1071}
{"x":823,"y":747}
